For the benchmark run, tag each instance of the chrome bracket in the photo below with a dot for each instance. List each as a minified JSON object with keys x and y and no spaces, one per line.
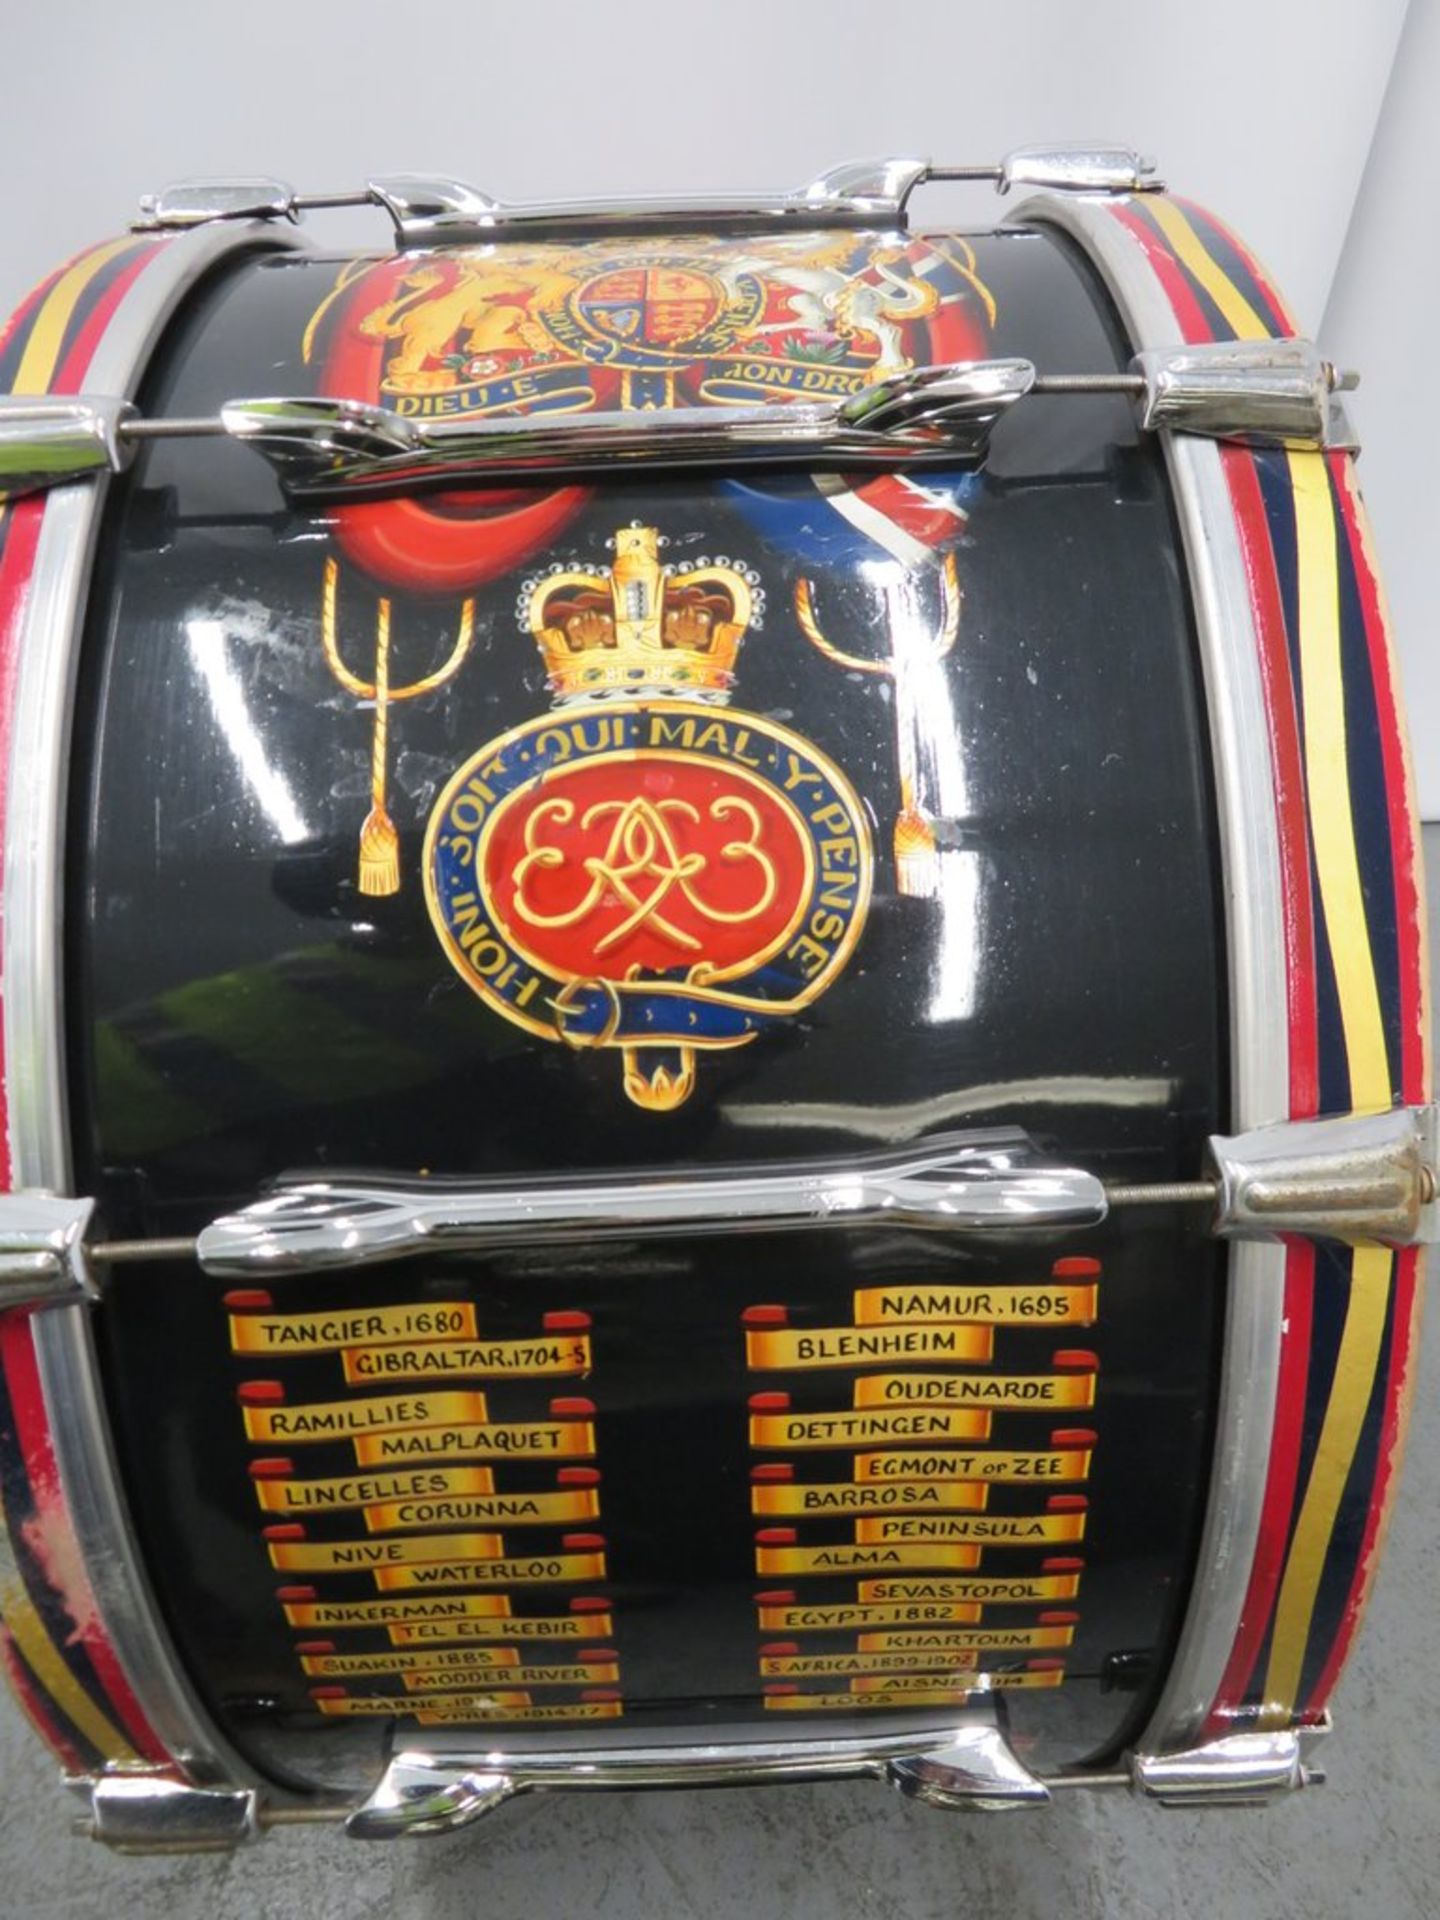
{"x":1237,"y":1770}
{"x":193,"y":203}
{"x":137,"y":1810}
{"x":43,"y":1262}
{"x":1354,"y":1177}
{"x":1261,"y":393}
{"x":977,"y":1771}
{"x":431,"y":210}
{"x":1097,"y":168}
{"x":46,"y":439}
{"x":951,"y":1183}
{"x":430,"y":1793}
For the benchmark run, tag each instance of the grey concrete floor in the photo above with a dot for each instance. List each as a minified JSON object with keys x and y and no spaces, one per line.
{"x":1367,"y":1843}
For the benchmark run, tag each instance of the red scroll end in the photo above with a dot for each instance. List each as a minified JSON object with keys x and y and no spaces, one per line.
{"x":589,"y":1603}
{"x":572,"y":1407}
{"x":776,"y":1687}
{"x":1057,"y":1617}
{"x":283,"y":1530}
{"x":769,"y":1403}
{"x":1074,"y":1437}
{"x":1043,"y":1664}
{"x":578,"y":1477}
{"x":296,"y":1596}
{"x":247,"y":1300}
{"x":765,"y":1317}
{"x":260,"y":1393}
{"x":776,"y":1597}
{"x":779,"y":1649}
{"x":597,"y":1656}
{"x":583,"y":1542}
{"x":566,"y":1322}
{"x":1066,"y":1503}
{"x":1062,"y":1563}
{"x":1076,"y":1267}
{"x":598,"y":1696}
{"x":276,"y":1469}
{"x":771,"y":1470}
{"x":1076,"y":1360}
{"x":776,"y":1537}
{"x":315,"y":1646}
{"x":327,"y":1693}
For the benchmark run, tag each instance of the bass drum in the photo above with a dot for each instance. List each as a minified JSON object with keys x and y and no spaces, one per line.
{"x":714,"y":1038}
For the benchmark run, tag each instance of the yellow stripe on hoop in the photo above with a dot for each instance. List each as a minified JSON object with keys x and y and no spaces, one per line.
{"x":1327,"y":782}
{"x":1191,"y":251}
{"x":1366,"y":1315}
{"x":18,"y":1615}
{"x":47,"y":334}
{"x":28,"y":1631}
{"x":1337,"y":868}
{"x":47,"y":330}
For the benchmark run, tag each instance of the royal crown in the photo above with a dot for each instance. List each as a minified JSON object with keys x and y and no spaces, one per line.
{"x":643,"y":627}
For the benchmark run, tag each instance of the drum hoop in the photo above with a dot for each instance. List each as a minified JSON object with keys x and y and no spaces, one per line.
{"x":1245,"y":784}
{"x":36,"y":791}
{"x":1284,"y":586}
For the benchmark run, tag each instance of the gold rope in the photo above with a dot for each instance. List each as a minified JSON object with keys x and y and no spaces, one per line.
{"x":379,"y":872}
{"x":379,"y":842}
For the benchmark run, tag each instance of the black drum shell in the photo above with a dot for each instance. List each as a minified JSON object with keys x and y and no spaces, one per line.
{"x":238,"y":1009}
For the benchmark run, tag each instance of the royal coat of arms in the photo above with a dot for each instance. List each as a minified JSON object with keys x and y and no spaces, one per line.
{"x":647,"y":869}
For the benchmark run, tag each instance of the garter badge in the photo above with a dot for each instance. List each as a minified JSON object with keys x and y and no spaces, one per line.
{"x":645,"y":868}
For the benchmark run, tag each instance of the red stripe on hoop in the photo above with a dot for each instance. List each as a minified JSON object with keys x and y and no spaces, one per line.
{"x":1298,"y":923}
{"x":1414,"y":1062}
{"x":1282,"y":1473}
{"x":54,"y":1547}
{"x":69,"y":1580}
{"x":1189,"y":314}
{"x":36,"y":1706}
{"x":1292,"y":820}
{"x":1280,"y":316}
{"x":20,"y":529}
{"x":1405,"y":853}
{"x":1291,"y":809}
{"x":1404,"y":1326}
{"x":72,"y":370}
{"x":28,"y":307}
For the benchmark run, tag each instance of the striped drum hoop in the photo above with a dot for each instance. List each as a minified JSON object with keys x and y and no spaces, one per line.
{"x":715,"y":1059}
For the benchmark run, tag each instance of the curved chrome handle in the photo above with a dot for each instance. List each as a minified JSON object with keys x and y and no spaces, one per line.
{"x":431,"y":210}
{"x":322,"y":447}
{"x":967,"y":1763}
{"x":953,"y":1183}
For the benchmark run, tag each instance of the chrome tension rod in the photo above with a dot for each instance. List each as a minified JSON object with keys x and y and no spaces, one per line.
{"x":1365,"y":1177}
{"x":1160,"y":1193}
{"x":430,"y":210}
{"x":1268,"y":393}
{"x":216,"y":426}
{"x":1355,"y":1178}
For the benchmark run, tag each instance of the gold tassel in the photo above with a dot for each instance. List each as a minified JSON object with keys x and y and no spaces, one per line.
{"x":917,"y":856}
{"x":659,"y":1089}
{"x":379,"y":840}
{"x":917,"y":859}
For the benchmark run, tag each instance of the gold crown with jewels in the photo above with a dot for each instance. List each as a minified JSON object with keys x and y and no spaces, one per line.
{"x":643,"y":627}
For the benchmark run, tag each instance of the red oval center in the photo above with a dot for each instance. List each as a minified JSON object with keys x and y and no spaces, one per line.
{"x":655,"y":862}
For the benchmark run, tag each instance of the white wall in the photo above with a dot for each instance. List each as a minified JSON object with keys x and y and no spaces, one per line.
{"x":1381,"y":317}
{"x":1263,"y":109}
